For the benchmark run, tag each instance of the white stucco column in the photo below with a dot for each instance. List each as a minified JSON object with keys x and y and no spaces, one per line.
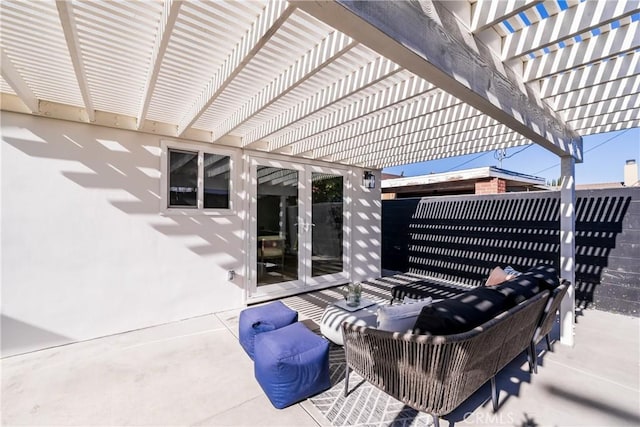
{"x":567,"y":246}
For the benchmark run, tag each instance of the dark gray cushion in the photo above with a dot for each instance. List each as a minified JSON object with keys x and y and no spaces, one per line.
{"x":528,"y":284}
{"x":547,"y":276}
{"x":460,"y":313}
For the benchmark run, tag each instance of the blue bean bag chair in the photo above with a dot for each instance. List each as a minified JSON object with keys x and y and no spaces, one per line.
{"x":291,"y":364}
{"x":263,"y":318}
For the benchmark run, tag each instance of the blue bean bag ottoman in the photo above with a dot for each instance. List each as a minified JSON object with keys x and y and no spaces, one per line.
{"x":263,"y":318}
{"x":291,"y":364}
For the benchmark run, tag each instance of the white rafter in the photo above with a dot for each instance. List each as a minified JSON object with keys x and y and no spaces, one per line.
{"x":576,"y":20}
{"x":373,"y":72}
{"x":596,"y":48}
{"x":17,"y":83}
{"x":328,"y":50}
{"x":602,"y":72}
{"x":165,"y":28}
{"x":67,"y":20}
{"x":274,"y":15}
{"x":487,"y":13}
{"x":389,"y":97}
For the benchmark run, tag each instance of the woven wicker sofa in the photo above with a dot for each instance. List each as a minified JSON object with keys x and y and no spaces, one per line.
{"x":436,"y":373}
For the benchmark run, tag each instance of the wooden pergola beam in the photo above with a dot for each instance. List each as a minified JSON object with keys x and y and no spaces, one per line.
{"x":68,"y":22}
{"x":167,"y":22}
{"x":428,"y":40}
{"x":11,"y":75}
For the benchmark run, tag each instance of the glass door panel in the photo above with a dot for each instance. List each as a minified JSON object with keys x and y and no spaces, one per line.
{"x":299,"y":228}
{"x":277,"y":225}
{"x":327,"y":218}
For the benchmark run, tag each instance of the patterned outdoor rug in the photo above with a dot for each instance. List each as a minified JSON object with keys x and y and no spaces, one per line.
{"x":365,"y":405}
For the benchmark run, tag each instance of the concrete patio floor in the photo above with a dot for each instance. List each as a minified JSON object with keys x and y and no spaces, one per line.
{"x":194,"y":372}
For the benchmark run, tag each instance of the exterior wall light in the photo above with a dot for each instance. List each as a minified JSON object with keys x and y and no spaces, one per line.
{"x":368,"y":179}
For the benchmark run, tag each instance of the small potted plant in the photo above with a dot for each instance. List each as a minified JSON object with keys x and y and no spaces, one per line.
{"x":353,"y":294}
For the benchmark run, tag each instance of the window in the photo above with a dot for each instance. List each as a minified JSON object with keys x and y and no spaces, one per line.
{"x":196,"y":178}
{"x":216,"y":181}
{"x":183,"y":178}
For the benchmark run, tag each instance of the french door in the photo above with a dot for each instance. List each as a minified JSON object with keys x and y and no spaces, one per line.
{"x":299,"y":228}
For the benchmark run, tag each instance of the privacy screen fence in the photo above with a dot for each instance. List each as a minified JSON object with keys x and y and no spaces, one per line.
{"x":463,"y":237}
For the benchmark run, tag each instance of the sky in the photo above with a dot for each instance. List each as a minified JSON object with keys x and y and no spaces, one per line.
{"x":605,"y":155}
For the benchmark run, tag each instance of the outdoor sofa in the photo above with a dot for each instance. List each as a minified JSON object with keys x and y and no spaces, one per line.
{"x":434,"y":371}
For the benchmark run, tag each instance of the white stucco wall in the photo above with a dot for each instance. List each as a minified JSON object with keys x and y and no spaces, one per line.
{"x":366,"y":235}
{"x":86,"y":251}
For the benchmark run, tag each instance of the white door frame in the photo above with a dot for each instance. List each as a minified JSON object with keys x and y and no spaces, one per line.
{"x":305,"y":281}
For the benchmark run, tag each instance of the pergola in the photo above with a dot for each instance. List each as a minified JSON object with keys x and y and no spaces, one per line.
{"x":371,"y":84}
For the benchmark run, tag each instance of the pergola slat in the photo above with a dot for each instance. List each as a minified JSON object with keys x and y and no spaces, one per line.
{"x":605,"y":119}
{"x":329,"y":49}
{"x":389,"y":97}
{"x":610,"y":127}
{"x":428,"y":112}
{"x":366,"y":76}
{"x":597,"y":93}
{"x":597,"y":108}
{"x":584,"y":17}
{"x":607,"y":45}
{"x":471,"y":127}
{"x":487,"y":13}
{"x":416,"y":38}
{"x":365,"y":128}
{"x":586,"y":77}
{"x":412,"y":153}
{"x":225,"y":72}
{"x":274,"y":15}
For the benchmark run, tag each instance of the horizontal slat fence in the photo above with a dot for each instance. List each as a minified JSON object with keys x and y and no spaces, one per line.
{"x":463,"y":237}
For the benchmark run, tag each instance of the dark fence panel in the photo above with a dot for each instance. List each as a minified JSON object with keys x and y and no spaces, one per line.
{"x":463,"y":237}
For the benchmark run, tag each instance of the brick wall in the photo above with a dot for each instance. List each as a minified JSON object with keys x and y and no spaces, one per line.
{"x":491,"y":186}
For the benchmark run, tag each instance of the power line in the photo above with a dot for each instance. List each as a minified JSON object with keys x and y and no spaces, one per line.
{"x":519,"y":151}
{"x":586,"y":151}
{"x":613,"y":137}
{"x":468,"y":161}
{"x":484,"y":154}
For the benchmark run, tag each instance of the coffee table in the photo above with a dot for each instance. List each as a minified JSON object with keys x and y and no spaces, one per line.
{"x":365,"y":314}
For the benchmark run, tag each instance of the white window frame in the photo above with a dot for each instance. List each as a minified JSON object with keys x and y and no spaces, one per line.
{"x":201,"y":150}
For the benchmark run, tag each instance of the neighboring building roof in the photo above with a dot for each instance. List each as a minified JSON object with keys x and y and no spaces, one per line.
{"x":460,"y":181}
{"x":386,"y":175}
{"x":599,"y":186}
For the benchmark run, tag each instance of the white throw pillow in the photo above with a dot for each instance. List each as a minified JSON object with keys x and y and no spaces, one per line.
{"x":400,"y":317}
